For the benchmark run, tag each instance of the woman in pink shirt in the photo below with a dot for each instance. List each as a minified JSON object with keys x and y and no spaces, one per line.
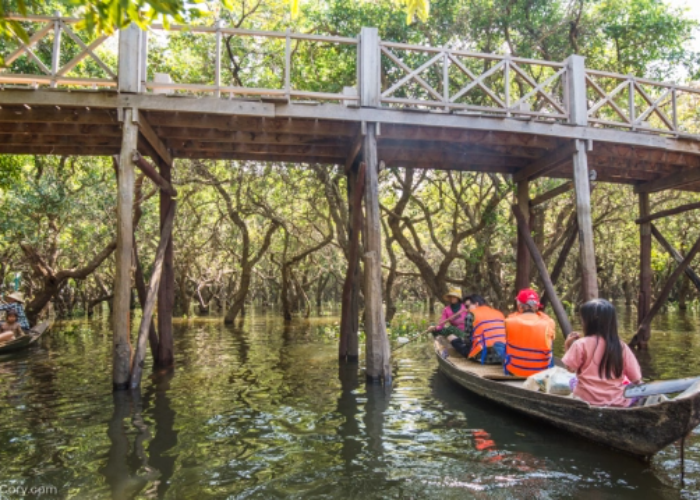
{"x":600,"y":359}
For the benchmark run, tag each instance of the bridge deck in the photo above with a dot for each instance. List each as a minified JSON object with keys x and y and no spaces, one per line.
{"x":88,"y":123}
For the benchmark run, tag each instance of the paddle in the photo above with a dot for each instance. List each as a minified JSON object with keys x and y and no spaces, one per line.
{"x":427,"y":331}
{"x":660,"y":387}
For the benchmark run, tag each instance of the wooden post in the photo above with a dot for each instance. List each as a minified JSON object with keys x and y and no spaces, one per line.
{"x":644,"y":299}
{"x":677,"y":256}
{"x":348,"y":348}
{"x":149,"y":306}
{"x":131,"y":46}
{"x":377,"y":343}
{"x":522,"y":262}
{"x":166,"y":291}
{"x":640,"y":340}
{"x":589,"y":278}
{"x":559,"y":310}
{"x":370,"y":69}
{"x":121,"y":362}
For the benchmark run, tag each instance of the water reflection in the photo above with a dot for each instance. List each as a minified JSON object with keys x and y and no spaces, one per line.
{"x":265,"y":411}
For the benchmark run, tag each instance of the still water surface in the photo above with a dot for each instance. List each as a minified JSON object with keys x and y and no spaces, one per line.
{"x":264,"y":411}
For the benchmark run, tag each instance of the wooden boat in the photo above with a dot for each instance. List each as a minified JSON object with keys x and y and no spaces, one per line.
{"x":26,"y":340}
{"x":641,"y":431}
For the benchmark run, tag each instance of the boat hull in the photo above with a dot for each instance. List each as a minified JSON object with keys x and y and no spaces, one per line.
{"x":641,"y":432}
{"x":25,"y":341}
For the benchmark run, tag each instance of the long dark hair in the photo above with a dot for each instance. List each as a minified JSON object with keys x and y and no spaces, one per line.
{"x":600,"y":320}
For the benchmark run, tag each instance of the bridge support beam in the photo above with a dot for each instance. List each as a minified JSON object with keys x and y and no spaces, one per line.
{"x":121,"y":353}
{"x":589,"y":278}
{"x":522,"y":260}
{"x":644,"y":299}
{"x":166,"y":290}
{"x":377,"y":343}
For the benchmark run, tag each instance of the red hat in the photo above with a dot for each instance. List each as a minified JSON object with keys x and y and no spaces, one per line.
{"x":528,"y":295}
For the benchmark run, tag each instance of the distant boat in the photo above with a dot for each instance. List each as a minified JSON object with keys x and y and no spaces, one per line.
{"x":641,"y":431}
{"x":26,"y":340}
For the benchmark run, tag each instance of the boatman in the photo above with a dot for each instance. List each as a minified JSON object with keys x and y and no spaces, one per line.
{"x":15,"y":302}
{"x":488,"y":334}
{"x":529,"y":337}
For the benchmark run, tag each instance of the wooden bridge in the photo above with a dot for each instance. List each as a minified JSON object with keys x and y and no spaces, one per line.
{"x":408,"y":106}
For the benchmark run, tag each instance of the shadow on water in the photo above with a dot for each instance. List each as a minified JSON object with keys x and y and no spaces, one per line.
{"x":131,"y":468}
{"x":265,"y":411}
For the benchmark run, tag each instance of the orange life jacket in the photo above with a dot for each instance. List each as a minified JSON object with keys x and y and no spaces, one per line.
{"x":489,"y":329}
{"x":528,"y":348}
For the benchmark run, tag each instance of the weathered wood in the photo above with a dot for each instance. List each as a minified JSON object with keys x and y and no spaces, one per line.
{"x":589,"y":280}
{"x":572,"y":234}
{"x":354,"y":152}
{"x":641,"y":338}
{"x":151,"y":172}
{"x":645,"y":272}
{"x":166,"y":290}
{"x":674,"y":181}
{"x":548,"y":162}
{"x":576,"y":90}
{"x":370,"y":68}
{"x":377,"y":343}
{"x":130,"y":59}
{"x":156,"y":143}
{"x":665,"y":213}
{"x":522,"y":258}
{"x":149,"y":306}
{"x":552,"y":193}
{"x":347,"y":321}
{"x":211,"y":155}
{"x":694,"y":278}
{"x":559,"y":310}
{"x":617,"y":428}
{"x":121,"y":363}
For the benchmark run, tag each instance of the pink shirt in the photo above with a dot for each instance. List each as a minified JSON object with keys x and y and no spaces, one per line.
{"x":584,"y":357}
{"x":458,"y":321}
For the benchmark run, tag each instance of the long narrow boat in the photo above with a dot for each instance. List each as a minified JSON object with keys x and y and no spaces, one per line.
{"x":641,"y":431}
{"x":26,"y":340}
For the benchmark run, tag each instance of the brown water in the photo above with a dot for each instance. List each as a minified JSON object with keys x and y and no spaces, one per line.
{"x":265,"y":412}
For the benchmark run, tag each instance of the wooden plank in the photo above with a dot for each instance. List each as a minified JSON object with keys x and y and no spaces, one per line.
{"x":347,"y":321}
{"x":58,"y":140}
{"x":182,"y":137}
{"x":354,"y":152}
{"x":678,"y":257}
{"x":673,"y":181}
{"x":445,"y":155}
{"x":265,"y":149}
{"x":522,"y":258}
{"x":370,"y":68}
{"x":377,"y":343}
{"x":121,"y":363}
{"x":552,"y":193}
{"x":56,"y":129}
{"x":151,"y":172}
{"x":582,"y":187}
{"x":166,"y":290}
{"x":210,"y":155}
{"x":149,"y":306}
{"x":31,"y":149}
{"x":645,"y":271}
{"x":665,"y":213}
{"x":559,"y":311}
{"x":547,"y":162}
{"x":150,"y":135}
{"x":53,"y":115}
{"x":641,"y":338}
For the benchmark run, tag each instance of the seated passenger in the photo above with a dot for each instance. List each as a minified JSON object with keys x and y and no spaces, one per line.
{"x":529,"y":337}
{"x":454,"y":326}
{"x":486,"y":341}
{"x":600,"y":359}
{"x":15,"y":302}
{"x":10,"y":329}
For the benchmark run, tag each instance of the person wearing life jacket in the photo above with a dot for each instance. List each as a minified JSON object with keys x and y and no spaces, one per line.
{"x":487,"y":339}
{"x":453,"y":316}
{"x":529,"y":337}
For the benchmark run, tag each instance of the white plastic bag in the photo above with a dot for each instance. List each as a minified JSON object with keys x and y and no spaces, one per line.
{"x":559,"y":382}
{"x":552,"y":381}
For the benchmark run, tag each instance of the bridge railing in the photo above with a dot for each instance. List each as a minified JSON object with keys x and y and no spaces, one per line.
{"x":229,"y":62}
{"x":461,"y":81}
{"x":54,"y":54}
